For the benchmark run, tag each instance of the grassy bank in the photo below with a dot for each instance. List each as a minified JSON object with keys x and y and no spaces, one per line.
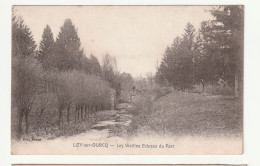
{"x":183,"y":113}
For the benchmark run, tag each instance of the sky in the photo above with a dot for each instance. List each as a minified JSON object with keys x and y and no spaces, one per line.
{"x":136,"y":35}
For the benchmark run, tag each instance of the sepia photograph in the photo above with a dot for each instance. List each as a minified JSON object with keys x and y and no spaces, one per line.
{"x":127,"y":80}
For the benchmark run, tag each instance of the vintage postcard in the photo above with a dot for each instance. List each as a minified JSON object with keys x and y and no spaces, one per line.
{"x":127,"y":80}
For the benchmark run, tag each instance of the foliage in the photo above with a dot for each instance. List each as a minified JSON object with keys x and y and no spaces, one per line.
{"x":59,"y":83}
{"x":230,"y":20}
{"x":46,"y":48}
{"x":214,"y":54}
{"x":54,"y":84}
{"x":67,"y":51}
{"x":110,"y":73}
{"x":23,"y":44}
{"x":177,"y":65}
{"x":127,"y":83}
{"x":26,"y":80}
{"x":95,"y":66}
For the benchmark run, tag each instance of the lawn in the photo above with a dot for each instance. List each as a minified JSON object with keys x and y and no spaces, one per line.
{"x":191,"y":114}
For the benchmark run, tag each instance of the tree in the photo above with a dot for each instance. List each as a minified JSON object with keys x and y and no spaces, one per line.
{"x":127,"y":81}
{"x":90,"y":65}
{"x":231,"y":19}
{"x":26,"y":72}
{"x":83,"y":63}
{"x":109,"y":67}
{"x":46,"y":48}
{"x":166,"y":69}
{"x":26,"y":82}
{"x":110,"y":73}
{"x":62,"y":85}
{"x":186,"y":57}
{"x":23,"y":44}
{"x":188,"y":36}
{"x":68,"y":50}
{"x":221,"y":46}
{"x":177,"y":66}
{"x":127,"y":84}
{"x":95,"y":67}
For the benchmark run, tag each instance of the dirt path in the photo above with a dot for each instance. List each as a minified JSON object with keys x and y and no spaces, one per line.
{"x":103,"y":131}
{"x":115,"y":127}
{"x":110,"y":137}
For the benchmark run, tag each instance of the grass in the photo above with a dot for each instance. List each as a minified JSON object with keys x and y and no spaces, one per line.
{"x":156,"y":111}
{"x":183,"y":113}
{"x":214,"y":90}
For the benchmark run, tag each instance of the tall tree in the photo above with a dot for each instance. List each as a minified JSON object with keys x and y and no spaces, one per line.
{"x":127,"y":81}
{"x":188,"y":36}
{"x":177,"y":66}
{"x":221,"y":42}
{"x":26,"y":72}
{"x":67,"y":47}
{"x":95,"y":66}
{"x":26,"y":82}
{"x":110,"y":73}
{"x":109,"y":68}
{"x":187,"y":53}
{"x":82,"y":62}
{"x":211,"y":59}
{"x":165,"y":71}
{"x":23,"y":44}
{"x":231,"y":19}
{"x":46,"y":48}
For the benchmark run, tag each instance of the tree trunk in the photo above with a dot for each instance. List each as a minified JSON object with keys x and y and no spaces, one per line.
{"x":81,"y":112}
{"x":85,"y":112}
{"x":78,"y":111}
{"x":236,"y":86}
{"x":20,"y":129}
{"x":26,"y":122}
{"x":89,"y":111}
{"x":76,"y":116}
{"x":68,"y":114}
{"x":45,"y":126}
{"x":203,"y":85}
{"x":60,"y":118}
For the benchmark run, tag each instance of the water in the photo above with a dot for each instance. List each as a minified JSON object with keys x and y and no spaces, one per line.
{"x":116,"y":127}
{"x":114,"y":131}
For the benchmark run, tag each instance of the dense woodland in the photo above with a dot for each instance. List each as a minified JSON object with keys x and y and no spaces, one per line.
{"x":56,"y":87}
{"x":58,"y":75}
{"x":212,"y":55}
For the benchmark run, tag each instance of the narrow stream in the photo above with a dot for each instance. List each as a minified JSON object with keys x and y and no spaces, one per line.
{"x":109,"y":129}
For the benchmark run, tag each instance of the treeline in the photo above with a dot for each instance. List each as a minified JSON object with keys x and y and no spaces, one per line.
{"x":211,"y":55}
{"x":56,"y":84}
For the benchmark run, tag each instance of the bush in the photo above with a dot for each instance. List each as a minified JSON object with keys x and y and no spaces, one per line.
{"x":56,"y":98}
{"x":214,"y":90}
{"x":161,"y":91}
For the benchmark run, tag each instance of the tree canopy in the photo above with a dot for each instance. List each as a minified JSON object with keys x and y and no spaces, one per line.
{"x":214,"y":52}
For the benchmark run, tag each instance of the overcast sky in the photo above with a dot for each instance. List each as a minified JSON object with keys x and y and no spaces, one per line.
{"x":136,"y":35}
